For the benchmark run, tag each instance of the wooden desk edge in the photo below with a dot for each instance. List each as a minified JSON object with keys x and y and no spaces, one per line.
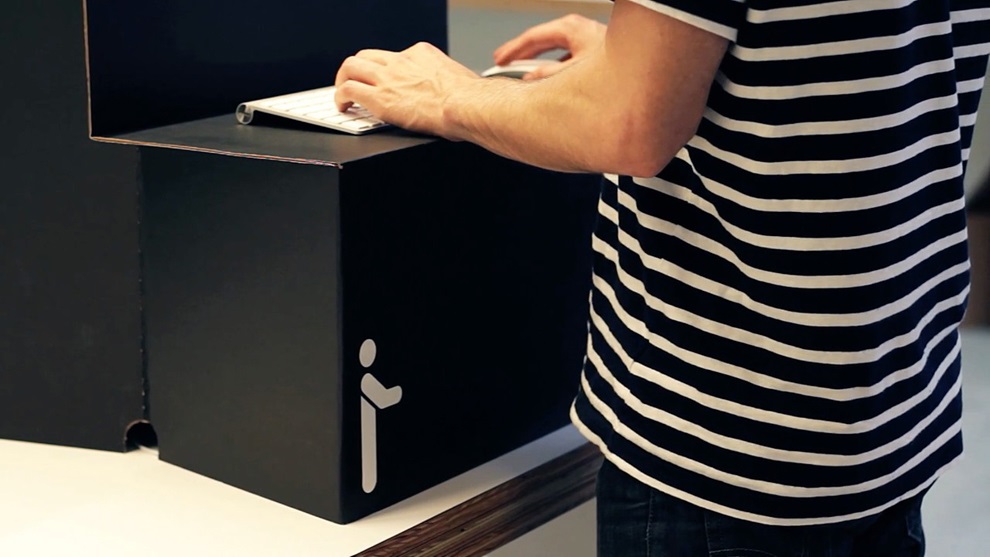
{"x":490,"y":520}
{"x":590,"y":9}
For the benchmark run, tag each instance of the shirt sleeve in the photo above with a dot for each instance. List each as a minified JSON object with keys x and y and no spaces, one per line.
{"x":721,"y":17}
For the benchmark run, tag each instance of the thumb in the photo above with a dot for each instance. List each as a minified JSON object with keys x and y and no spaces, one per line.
{"x":545,"y":71}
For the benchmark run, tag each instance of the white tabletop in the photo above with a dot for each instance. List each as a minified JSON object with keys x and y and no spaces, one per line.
{"x":57,"y":501}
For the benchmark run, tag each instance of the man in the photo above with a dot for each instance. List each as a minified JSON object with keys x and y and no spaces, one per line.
{"x":773,"y":359}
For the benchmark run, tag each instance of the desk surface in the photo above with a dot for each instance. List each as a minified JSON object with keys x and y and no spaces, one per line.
{"x":272,"y":139}
{"x":64,"y":501}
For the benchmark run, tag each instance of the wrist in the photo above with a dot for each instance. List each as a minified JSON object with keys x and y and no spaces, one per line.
{"x":450,"y":127}
{"x":469,"y":108}
{"x":453,"y":118}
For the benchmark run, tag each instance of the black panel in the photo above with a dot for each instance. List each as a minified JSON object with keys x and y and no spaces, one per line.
{"x":469,"y":271}
{"x":70,"y":329}
{"x":981,"y":201}
{"x":154,"y":63}
{"x":471,"y":275}
{"x":242,"y":322}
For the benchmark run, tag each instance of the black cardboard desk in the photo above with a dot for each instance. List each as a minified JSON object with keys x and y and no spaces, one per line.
{"x":332,"y":322}
{"x":288,"y":276}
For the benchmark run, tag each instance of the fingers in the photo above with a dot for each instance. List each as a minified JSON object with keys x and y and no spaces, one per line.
{"x":363,"y":65}
{"x":364,"y":68}
{"x":359,"y":69}
{"x":397,"y":83}
{"x":533,"y":41}
{"x":573,"y":33}
{"x":545,"y":71}
{"x":354,"y":92}
{"x":375,"y":55}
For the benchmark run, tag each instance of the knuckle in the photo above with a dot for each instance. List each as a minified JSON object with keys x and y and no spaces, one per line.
{"x":424,"y":46}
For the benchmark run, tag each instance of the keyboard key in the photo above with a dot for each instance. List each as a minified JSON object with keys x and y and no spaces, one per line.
{"x":338,"y":118}
{"x":322,"y":114}
{"x":318,"y":107}
{"x":358,"y":125}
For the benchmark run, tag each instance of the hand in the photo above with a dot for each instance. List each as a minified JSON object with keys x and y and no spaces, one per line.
{"x":408,"y":88}
{"x":576,"y":34}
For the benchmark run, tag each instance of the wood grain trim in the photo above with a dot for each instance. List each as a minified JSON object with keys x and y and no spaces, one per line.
{"x":490,"y":520}
{"x":588,"y":8}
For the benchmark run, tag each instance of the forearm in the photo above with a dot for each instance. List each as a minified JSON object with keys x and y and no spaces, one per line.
{"x":575,"y":121}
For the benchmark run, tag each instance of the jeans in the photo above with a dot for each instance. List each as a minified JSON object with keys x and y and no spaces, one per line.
{"x":635,"y":520}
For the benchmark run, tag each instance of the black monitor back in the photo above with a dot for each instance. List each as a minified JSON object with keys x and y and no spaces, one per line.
{"x":159,"y":62}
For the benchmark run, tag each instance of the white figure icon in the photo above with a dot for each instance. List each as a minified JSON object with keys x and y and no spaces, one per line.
{"x":374,"y":397}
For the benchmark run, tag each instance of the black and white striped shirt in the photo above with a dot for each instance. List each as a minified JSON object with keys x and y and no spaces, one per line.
{"x":774,"y":323}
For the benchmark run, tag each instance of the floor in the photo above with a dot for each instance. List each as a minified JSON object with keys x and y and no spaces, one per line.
{"x":957,"y":510}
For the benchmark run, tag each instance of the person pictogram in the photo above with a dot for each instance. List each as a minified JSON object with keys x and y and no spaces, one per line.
{"x":374,"y":397}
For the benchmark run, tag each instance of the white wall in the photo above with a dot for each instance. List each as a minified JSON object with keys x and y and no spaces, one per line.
{"x":978,"y":173}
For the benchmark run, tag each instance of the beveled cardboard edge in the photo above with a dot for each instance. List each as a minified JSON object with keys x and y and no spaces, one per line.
{"x":89,"y":80}
{"x":275,"y":158}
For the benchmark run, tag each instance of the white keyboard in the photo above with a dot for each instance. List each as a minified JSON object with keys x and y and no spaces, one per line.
{"x":315,"y":106}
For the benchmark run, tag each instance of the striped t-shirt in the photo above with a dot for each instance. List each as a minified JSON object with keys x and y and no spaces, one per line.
{"x":774,"y":321}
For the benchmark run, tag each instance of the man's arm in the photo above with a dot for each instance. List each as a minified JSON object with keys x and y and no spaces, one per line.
{"x":627,"y":108}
